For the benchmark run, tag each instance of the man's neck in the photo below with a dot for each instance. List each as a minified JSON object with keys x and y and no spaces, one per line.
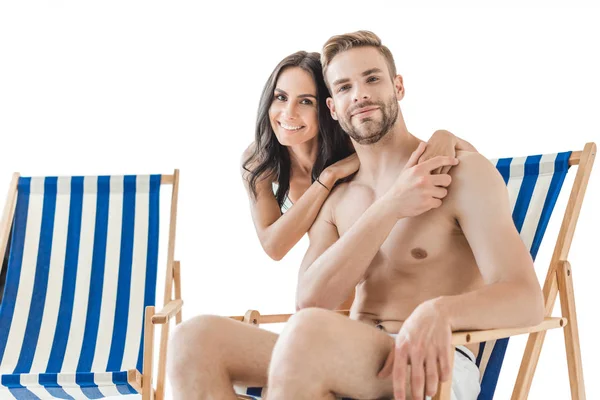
{"x":388,"y":156}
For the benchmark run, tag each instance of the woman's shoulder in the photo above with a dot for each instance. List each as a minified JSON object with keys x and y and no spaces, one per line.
{"x":247,"y":153}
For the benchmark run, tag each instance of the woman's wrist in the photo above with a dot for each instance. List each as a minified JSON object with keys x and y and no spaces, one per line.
{"x":327,"y":178}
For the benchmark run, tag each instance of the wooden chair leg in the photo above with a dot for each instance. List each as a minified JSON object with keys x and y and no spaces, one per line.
{"x":445,"y":389}
{"x":535,"y":342}
{"x":162,"y":362}
{"x":567,"y":304}
{"x":147,"y":389}
{"x":177,"y":284}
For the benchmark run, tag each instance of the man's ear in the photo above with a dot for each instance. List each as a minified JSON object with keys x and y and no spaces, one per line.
{"x":331,"y":106}
{"x":399,"y":87}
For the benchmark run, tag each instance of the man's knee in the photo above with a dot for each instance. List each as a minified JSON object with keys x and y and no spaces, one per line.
{"x":303,"y":333}
{"x":309,"y":323}
{"x":193,"y":340}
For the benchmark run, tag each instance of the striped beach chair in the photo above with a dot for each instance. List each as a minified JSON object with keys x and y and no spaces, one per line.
{"x":533,"y":184}
{"x":77,"y":315}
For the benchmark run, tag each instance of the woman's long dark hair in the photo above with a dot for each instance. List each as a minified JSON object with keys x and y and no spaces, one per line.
{"x":271,"y":158}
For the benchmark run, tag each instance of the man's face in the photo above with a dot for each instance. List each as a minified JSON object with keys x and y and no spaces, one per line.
{"x":364,"y":97}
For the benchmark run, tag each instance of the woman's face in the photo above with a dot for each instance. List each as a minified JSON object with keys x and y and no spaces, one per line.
{"x":293,"y":113}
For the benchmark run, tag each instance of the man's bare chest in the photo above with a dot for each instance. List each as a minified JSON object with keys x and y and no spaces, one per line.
{"x":412,"y":242}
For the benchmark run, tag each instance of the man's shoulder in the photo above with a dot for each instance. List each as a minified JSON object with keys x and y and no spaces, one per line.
{"x":475,"y":177}
{"x":473,"y":169}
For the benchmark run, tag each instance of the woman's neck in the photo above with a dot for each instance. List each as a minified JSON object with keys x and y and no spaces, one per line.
{"x":303,"y":156}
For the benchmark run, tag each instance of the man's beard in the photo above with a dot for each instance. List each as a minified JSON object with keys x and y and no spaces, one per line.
{"x":371,"y":131}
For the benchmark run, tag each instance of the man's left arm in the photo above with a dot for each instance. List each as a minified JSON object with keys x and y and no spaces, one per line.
{"x":511,"y":296}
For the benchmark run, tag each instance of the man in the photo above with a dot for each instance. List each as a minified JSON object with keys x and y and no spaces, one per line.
{"x":425,"y":258}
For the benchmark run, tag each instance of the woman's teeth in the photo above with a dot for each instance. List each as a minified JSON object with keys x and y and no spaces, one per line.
{"x":290,"y":127}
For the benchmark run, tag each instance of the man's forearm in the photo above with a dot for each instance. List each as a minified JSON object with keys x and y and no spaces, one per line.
{"x":332,"y":276}
{"x":494,"y":306}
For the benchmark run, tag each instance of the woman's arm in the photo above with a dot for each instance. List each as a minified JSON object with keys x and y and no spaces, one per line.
{"x":278,"y":233}
{"x":445,"y":143}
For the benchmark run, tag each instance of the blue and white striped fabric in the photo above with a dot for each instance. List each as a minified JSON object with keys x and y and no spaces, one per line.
{"x":82,"y":268}
{"x":533,"y":184}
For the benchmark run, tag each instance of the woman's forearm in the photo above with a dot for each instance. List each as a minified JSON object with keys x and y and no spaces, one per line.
{"x":279,"y":237}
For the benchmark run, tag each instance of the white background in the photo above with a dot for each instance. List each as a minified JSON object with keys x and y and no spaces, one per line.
{"x":117,"y":87}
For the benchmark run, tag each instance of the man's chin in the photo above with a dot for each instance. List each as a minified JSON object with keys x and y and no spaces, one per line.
{"x":367,"y":139}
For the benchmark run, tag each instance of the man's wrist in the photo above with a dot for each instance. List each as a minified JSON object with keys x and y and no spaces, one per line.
{"x":386,"y":203}
{"x":443,"y":308}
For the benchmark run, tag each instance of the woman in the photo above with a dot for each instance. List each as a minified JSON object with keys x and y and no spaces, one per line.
{"x":300,"y":153}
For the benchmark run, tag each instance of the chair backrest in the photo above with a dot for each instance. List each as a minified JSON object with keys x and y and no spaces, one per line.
{"x":533,"y":184}
{"x":82,"y":267}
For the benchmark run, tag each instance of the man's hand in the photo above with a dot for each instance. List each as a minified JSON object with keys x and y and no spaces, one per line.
{"x":441,"y":143}
{"x":416,"y":190}
{"x":424,"y":343}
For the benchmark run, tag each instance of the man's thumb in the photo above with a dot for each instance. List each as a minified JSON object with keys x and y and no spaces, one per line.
{"x":414,"y":158}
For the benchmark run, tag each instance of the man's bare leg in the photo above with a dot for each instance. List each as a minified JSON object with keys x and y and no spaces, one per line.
{"x":208,"y":353}
{"x":321,"y":354}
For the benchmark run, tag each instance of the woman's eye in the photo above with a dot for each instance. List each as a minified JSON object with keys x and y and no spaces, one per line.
{"x":280,"y":97}
{"x":306,"y":101}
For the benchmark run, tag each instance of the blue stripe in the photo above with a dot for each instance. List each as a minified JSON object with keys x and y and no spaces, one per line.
{"x":124,"y":286}
{"x":88,"y":386}
{"x":480,"y":353}
{"x":50,"y":383}
{"x":503,"y":166}
{"x":13,"y":274}
{"x":59,"y":393}
{"x":561,"y":168}
{"x":254,"y":391}
{"x":152,"y":257}
{"x":23,"y":394}
{"x":492,"y":372}
{"x":40,"y":286}
{"x":13,"y":383}
{"x":122,"y":384}
{"x":532,"y":171}
{"x":96,"y":277}
{"x":65,"y":313}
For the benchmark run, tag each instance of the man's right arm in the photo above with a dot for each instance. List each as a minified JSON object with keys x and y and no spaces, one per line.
{"x":333,"y":266}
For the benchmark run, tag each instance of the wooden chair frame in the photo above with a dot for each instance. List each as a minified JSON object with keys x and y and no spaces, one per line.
{"x":559,"y":281}
{"x":142,"y":382}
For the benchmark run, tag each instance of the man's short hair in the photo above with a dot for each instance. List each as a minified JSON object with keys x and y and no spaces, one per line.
{"x":340,"y":43}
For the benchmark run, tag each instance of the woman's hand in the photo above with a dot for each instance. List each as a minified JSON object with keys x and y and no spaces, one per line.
{"x":340,"y":170}
{"x":444,"y":143}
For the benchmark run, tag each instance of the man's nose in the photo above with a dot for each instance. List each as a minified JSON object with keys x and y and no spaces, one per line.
{"x":360,"y":94}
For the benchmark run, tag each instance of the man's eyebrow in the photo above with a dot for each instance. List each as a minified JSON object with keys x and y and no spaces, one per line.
{"x":367,"y":72}
{"x":339,"y":81}
{"x":371,"y":71}
{"x":300,"y":96}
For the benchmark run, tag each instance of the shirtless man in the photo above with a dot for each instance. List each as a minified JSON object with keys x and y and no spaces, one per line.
{"x":424,"y":258}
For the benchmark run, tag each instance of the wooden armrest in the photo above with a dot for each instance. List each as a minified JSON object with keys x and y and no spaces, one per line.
{"x":253,"y":317}
{"x":169,"y":310}
{"x":462,"y":338}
